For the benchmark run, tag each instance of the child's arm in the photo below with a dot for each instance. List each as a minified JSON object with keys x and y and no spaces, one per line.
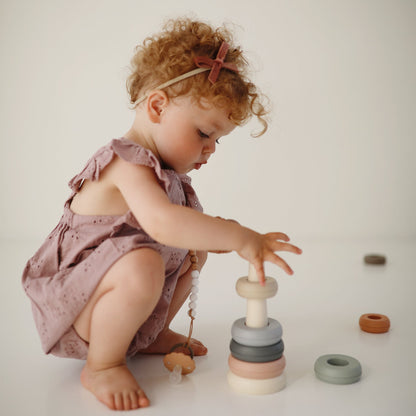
{"x":184,"y":227}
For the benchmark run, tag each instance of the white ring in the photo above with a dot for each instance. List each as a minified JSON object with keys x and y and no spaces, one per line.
{"x":256,"y":387}
{"x":254,"y":290}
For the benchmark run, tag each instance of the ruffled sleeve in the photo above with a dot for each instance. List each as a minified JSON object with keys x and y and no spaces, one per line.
{"x":177,"y":186}
{"x":126,"y":150}
{"x":93,"y":168}
{"x":134,"y":153}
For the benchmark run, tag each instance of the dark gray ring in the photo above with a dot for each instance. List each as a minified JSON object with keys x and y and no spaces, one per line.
{"x":256,"y":337}
{"x":257,"y":354}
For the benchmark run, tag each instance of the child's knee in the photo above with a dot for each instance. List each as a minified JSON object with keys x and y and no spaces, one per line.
{"x":142,"y":274}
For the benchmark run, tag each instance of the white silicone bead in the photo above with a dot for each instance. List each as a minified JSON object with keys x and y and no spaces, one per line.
{"x":192,"y":305}
{"x":256,"y":387}
{"x":194,"y":289}
{"x":195,"y":274}
{"x":195,"y":282}
{"x":193,"y":297}
{"x":193,"y":313}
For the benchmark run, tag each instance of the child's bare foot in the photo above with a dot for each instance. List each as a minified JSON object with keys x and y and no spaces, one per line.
{"x":167,"y":339}
{"x":115,"y":387}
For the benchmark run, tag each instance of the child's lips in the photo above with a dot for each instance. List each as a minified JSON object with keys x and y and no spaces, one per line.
{"x":198,"y":165}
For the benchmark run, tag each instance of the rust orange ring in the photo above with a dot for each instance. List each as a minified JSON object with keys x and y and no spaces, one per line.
{"x":374,"y":323}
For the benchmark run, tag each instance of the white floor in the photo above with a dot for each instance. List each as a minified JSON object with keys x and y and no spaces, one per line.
{"x":318,"y":307}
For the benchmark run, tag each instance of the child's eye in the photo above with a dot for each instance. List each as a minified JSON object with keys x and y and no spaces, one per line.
{"x":203,"y":135}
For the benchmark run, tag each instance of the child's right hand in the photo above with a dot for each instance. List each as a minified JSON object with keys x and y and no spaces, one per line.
{"x":258,"y":248}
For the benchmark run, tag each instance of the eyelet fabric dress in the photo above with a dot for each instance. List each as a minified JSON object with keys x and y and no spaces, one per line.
{"x":62,"y":275}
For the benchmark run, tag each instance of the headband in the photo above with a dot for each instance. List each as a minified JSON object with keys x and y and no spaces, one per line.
{"x":204,"y":64}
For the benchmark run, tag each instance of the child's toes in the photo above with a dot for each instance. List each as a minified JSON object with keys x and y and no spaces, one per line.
{"x":198,"y":348}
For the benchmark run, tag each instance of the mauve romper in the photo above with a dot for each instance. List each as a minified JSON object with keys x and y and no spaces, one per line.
{"x":62,"y":275}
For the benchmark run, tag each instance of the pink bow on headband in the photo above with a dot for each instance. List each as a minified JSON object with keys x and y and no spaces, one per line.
{"x":216,"y":64}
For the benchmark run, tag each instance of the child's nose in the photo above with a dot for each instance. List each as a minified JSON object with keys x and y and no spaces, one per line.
{"x":210,"y":147}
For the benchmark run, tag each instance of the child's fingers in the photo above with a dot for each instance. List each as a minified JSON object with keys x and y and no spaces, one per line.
{"x":278,"y":246}
{"x":278,"y":236}
{"x":259,"y":267}
{"x":278,"y":261}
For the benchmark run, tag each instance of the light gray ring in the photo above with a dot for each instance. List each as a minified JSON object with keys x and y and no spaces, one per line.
{"x":256,"y":337}
{"x":257,"y":354}
{"x":337,"y":369}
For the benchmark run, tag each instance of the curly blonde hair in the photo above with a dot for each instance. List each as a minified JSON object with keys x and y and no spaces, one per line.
{"x":171,"y":53}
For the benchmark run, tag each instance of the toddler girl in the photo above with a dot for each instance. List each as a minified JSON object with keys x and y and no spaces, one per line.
{"x":111,"y":276}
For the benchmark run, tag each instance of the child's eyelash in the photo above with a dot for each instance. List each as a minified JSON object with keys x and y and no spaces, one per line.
{"x":203,"y":135}
{"x":206,"y":136}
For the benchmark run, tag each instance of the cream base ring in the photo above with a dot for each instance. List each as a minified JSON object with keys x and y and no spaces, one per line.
{"x":257,"y":354}
{"x":256,"y":337}
{"x":254,"y":290}
{"x":257,"y":371}
{"x":337,"y":369}
{"x":256,"y":387}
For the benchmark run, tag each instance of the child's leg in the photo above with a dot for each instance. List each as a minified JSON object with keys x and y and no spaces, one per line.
{"x":122,"y":302}
{"x":167,"y":338}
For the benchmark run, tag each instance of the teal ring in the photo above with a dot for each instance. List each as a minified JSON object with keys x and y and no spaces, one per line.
{"x":257,"y":354}
{"x":337,"y":369}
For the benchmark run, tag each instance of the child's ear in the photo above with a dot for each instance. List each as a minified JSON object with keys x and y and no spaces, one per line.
{"x":156,"y":102}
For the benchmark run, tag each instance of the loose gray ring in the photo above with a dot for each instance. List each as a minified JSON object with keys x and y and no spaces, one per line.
{"x":337,"y":369}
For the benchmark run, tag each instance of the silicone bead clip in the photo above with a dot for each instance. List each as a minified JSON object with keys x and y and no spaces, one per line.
{"x":257,"y":354}
{"x":254,"y":290}
{"x":258,"y":371}
{"x":256,"y":337}
{"x":374,"y":323}
{"x":249,"y":386}
{"x":337,"y":369}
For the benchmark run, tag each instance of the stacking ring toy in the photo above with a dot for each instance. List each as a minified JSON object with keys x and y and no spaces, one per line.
{"x":374,"y":323}
{"x":374,"y":259}
{"x":257,"y":354}
{"x":256,"y":337}
{"x":250,"y":386}
{"x":257,"y":371}
{"x":254,"y":290}
{"x":337,"y":369}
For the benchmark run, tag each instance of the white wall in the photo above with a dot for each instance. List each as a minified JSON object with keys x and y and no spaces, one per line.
{"x":338,"y":160}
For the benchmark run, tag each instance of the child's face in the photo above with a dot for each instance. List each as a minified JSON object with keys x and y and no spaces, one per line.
{"x":187,"y":133}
